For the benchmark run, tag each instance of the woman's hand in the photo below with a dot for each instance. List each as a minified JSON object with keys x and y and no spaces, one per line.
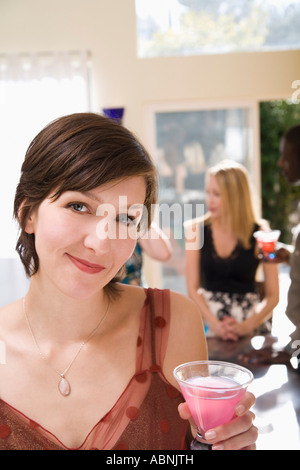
{"x":283,"y":253}
{"x":238,"y":434}
{"x":224,"y":329}
{"x":244,"y":328}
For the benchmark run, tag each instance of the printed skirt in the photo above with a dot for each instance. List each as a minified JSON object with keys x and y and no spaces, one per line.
{"x":238,"y":306}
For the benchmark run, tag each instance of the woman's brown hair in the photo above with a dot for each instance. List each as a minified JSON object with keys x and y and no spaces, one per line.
{"x":78,"y":152}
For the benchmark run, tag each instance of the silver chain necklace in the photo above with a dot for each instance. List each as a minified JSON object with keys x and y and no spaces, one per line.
{"x":64,"y":386}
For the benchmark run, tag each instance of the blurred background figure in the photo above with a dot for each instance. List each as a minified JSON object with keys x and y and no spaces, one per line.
{"x":289,"y":162}
{"x":156,"y":245}
{"x":221,"y":273}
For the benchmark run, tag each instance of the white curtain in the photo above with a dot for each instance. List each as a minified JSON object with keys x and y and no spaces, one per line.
{"x":35,"y":88}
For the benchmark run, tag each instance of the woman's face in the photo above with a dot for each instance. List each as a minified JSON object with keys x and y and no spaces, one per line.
{"x":213,"y":197}
{"x":289,"y":162}
{"x":83,"y":238}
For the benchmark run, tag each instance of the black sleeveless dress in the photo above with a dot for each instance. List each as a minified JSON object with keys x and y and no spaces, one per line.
{"x":228,"y":284}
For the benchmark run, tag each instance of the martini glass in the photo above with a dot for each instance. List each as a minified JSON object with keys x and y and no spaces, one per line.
{"x":266,"y":241}
{"x":211,"y":390}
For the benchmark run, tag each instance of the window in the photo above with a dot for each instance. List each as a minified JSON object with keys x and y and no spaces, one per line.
{"x":185,"y":139}
{"x":194,"y":27}
{"x":34,"y":89}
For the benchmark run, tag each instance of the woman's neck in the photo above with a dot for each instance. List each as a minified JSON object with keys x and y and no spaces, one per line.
{"x":221,"y":224}
{"x":55,"y":316}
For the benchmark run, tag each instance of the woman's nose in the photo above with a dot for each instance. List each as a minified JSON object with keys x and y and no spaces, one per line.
{"x":99,"y":235}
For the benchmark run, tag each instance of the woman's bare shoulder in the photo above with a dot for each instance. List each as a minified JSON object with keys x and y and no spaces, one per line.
{"x":130,"y":300}
{"x":187,"y":340}
{"x":11,"y":307}
{"x":186,"y":327}
{"x":185,"y":312}
{"x":8,"y":316}
{"x":194,"y":232}
{"x":130,"y":292}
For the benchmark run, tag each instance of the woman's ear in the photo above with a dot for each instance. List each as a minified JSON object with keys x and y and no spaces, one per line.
{"x":28,"y":226}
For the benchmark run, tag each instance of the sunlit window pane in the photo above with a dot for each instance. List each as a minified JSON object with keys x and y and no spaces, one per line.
{"x":194,"y":27}
{"x":34,"y":90}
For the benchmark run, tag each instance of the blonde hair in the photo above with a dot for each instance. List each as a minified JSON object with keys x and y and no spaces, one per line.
{"x":238,"y":204}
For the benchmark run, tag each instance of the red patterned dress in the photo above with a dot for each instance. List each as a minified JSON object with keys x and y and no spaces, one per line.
{"x":145,"y":417}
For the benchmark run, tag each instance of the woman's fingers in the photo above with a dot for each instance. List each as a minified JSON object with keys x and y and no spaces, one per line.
{"x":245,"y":404}
{"x":239,"y":433}
{"x":184,"y":411}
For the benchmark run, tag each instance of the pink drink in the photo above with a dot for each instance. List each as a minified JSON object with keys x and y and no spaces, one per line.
{"x":211,"y":389}
{"x":212,"y":400}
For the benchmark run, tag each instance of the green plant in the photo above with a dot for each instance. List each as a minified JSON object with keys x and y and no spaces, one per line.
{"x":279,"y":199}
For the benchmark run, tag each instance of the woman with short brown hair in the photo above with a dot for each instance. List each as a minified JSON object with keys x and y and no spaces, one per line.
{"x":90,"y":361}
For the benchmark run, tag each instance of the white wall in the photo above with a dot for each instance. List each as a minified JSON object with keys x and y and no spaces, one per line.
{"x":107,"y":28}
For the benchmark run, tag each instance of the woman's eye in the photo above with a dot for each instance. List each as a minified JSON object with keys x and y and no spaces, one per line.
{"x":78,"y":207}
{"x":125,"y":219}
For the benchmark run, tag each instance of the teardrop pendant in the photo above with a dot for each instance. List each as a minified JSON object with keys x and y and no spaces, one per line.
{"x":64,"y":387}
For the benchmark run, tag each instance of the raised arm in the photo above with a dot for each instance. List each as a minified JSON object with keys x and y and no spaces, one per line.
{"x":187,"y":343}
{"x":156,"y":244}
{"x":187,"y":340}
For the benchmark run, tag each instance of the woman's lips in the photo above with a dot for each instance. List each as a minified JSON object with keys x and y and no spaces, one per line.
{"x":85,"y":266}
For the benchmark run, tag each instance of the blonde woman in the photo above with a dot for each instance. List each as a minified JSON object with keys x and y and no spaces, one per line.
{"x":221,"y":272}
